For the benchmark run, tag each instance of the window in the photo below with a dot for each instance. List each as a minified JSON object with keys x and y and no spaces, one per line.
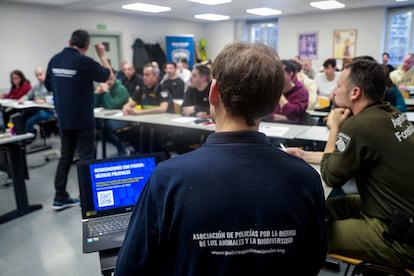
{"x":266,"y":32}
{"x":400,"y":34}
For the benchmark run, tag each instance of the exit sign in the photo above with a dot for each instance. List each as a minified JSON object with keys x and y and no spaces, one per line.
{"x":101,"y":27}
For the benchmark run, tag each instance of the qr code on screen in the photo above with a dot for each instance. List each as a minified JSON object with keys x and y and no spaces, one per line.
{"x":105,"y":198}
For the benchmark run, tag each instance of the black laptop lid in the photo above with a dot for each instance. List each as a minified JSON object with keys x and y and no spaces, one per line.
{"x":112,"y":186}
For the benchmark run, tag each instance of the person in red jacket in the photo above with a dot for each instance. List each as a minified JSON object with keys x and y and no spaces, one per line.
{"x":19,"y":85}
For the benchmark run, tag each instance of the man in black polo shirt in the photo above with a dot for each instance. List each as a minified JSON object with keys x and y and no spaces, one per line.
{"x":70,"y":75}
{"x":196,"y":98}
{"x":173,"y":82}
{"x":152,"y":98}
{"x":132,"y":80}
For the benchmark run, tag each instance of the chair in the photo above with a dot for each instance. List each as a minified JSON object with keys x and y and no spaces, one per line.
{"x":46,"y":129}
{"x":367,"y":266}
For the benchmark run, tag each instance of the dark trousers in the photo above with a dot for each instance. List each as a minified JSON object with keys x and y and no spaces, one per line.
{"x":82,"y":141}
{"x":352,"y":233}
{"x":109,"y":131}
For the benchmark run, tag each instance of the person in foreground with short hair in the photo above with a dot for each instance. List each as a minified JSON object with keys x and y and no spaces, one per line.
{"x":237,"y":205}
{"x":373,"y":142}
{"x":70,"y":75}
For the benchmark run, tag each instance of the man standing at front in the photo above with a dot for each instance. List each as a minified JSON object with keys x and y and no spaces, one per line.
{"x":70,"y":75}
{"x":237,"y":205}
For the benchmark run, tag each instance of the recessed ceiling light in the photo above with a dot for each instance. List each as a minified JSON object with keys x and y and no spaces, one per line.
{"x":211,"y":2}
{"x":327,"y":5}
{"x":212,"y":16}
{"x":146,"y":7}
{"x":264,"y":11}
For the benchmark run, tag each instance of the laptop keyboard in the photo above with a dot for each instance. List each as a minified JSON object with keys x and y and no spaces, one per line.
{"x":108,"y":225}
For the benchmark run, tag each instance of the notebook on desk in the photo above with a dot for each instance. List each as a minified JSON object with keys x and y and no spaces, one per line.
{"x":109,"y":189}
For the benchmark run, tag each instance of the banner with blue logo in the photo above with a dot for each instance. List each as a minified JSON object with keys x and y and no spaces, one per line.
{"x":179,"y":47}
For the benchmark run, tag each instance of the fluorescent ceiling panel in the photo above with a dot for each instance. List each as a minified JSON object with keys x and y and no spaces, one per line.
{"x":212,"y":16}
{"x":211,"y":2}
{"x":327,"y":5}
{"x":146,"y":8}
{"x":264,"y":11}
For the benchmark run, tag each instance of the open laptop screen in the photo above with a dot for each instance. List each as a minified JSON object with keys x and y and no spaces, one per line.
{"x":113,"y":186}
{"x":117,"y":184}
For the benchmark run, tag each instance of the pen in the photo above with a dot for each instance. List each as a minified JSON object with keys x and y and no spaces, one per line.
{"x":282,"y":147}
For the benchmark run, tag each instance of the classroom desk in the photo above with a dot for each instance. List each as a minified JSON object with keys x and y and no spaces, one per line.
{"x":314,"y":133}
{"x":316,"y":113}
{"x":16,"y":158}
{"x":14,"y":104}
{"x":272,"y":130}
{"x":410,"y":116}
{"x":409,"y":102}
{"x":326,"y":188}
{"x":27,"y":104}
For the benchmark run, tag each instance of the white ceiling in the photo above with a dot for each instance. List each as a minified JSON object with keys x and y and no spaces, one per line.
{"x":185,"y":10}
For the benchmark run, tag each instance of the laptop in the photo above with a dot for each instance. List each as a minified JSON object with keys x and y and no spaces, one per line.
{"x":109,"y":189}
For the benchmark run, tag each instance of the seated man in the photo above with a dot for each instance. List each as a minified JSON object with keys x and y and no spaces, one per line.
{"x":237,"y":205}
{"x":111,"y":95}
{"x":38,"y":94}
{"x":308,"y":83}
{"x":294,"y":100}
{"x":172,"y":82}
{"x":373,"y":142}
{"x":152,"y":98}
{"x":326,"y":81}
{"x":131,"y":80}
{"x":404,"y":75}
{"x":195,"y":104}
{"x":196,"y":98}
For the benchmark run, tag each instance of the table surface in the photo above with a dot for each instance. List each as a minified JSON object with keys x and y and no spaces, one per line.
{"x":409,"y":101}
{"x":27,"y":104}
{"x":273,"y":130}
{"x":7,"y":139}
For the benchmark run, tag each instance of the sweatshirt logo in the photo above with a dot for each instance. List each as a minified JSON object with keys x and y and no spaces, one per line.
{"x":65,"y":73}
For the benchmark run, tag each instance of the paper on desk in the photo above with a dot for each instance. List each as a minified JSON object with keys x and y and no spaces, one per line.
{"x":115,"y":113}
{"x":97,"y":109}
{"x":119,"y":114}
{"x":25,"y":104}
{"x":274,"y":131}
{"x":184,"y":119}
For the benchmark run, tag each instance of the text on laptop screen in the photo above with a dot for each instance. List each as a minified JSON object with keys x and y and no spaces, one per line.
{"x":118,"y":184}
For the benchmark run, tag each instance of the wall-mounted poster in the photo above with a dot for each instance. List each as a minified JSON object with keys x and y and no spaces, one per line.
{"x":308,"y":45}
{"x":180,"y":47}
{"x":344,"y":43}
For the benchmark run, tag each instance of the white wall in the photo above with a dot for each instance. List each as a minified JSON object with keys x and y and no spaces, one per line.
{"x":368,"y":22}
{"x":30,"y":35}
